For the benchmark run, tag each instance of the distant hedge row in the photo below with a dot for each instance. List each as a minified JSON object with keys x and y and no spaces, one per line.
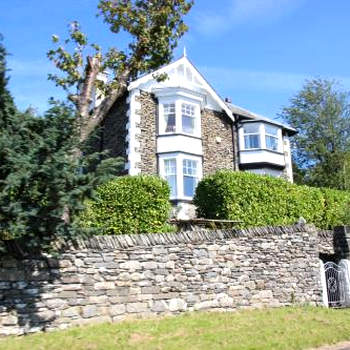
{"x":257,"y":200}
{"x":129,"y":204}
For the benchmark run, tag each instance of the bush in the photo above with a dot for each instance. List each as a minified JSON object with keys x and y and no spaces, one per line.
{"x":129,"y":204}
{"x":257,"y":200}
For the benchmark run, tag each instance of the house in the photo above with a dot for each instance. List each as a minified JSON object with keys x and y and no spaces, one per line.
{"x":181,"y":129}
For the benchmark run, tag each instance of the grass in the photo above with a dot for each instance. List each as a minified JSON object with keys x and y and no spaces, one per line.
{"x":269,"y":329}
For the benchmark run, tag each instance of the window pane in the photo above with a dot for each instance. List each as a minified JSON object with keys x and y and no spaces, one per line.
{"x":188,"y":124}
{"x":169,"y":117}
{"x":170,"y":123}
{"x":271,"y":130}
{"x":188,"y":115}
{"x":251,"y":128}
{"x":189,"y":185}
{"x":190,"y":177}
{"x":172,"y":184}
{"x":272,"y":143}
{"x":170,"y":175}
{"x":251,"y":141}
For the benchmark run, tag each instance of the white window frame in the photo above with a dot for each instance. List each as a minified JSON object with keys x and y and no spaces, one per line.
{"x":275,"y":136}
{"x":258,"y":133}
{"x":179,"y":101}
{"x":262,"y":136}
{"x":180,"y":157}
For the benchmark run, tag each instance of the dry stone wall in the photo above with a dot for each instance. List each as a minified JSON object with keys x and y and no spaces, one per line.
{"x":113,"y":278}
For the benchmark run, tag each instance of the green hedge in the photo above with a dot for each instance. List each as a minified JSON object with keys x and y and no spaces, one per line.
{"x":257,"y":200}
{"x":129,"y":204}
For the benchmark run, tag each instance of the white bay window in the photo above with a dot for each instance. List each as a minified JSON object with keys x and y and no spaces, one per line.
{"x":259,"y":135}
{"x":182,"y":172}
{"x":179,"y":116}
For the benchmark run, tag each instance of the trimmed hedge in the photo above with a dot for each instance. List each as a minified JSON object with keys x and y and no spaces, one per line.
{"x":257,"y":200}
{"x":129,"y":204}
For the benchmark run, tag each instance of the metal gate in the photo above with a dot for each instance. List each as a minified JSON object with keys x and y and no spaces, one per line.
{"x":336,"y":284}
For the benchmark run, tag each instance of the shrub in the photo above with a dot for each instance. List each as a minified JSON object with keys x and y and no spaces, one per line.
{"x":337,"y":205}
{"x":257,"y":200}
{"x":129,"y":204}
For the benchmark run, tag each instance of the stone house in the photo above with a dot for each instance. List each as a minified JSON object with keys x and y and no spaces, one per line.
{"x":182,"y":130}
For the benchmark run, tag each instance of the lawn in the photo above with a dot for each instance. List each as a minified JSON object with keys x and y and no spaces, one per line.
{"x":269,"y":329}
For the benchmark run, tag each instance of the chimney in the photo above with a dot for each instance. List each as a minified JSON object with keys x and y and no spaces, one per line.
{"x":228,"y":100}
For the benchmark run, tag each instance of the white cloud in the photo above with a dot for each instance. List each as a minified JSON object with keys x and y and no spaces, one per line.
{"x":234,"y":12}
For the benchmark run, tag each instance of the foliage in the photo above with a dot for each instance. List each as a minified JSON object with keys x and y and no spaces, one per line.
{"x":291,"y":328}
{"x":40,"y":180}
{"x":129,"y":204}
{"x":154,"y":28}
{"x":257,"y":200}
{"x":320,"y":113}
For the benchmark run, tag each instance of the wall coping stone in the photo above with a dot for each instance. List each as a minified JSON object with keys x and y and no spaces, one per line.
{"x":187,"y":237}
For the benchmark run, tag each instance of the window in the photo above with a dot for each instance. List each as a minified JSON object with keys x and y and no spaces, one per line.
{"x":179,"y":116}
{"x":182,"y":172}
{"x":271,"y":137}
{"x":170,"y":175}
{"x":251,"y":136}
{"x":188,"y":118}
{"x":170,"y":117}
{"x":189,"y":177}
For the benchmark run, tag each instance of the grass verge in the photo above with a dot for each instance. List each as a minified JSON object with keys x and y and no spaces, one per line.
{"x":292,"y":328}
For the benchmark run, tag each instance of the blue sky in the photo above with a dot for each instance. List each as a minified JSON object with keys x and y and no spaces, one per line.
{"x":257,"y":52}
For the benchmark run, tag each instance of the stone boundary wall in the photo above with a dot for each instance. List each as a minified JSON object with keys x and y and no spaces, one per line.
{"x":326,"y":242}
{"x":113,"y":278}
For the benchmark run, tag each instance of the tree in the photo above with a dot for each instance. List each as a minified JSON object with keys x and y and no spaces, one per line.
{"x":154,"y":26}
{"x":320,"y":113}
{"x":39,"y":176}
{"x":7,"y":106}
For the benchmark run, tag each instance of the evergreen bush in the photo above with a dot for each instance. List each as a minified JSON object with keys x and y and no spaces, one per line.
{"x":129,"y":204}
{"x":256,"y":200}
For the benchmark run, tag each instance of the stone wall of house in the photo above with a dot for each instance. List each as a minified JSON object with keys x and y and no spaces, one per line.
{"x":114,"y":131}
{"x":113,"y":278}
{"x":218,"y":143}
{"x":148,"y":135}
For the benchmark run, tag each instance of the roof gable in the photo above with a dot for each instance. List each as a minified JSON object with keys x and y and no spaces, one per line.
{"x":182,"y":74}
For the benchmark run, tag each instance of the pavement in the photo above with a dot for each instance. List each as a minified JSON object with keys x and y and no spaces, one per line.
{"x":340,"y":346}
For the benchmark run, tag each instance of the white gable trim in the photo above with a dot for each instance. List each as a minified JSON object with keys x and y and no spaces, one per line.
{"x":204,"y":85}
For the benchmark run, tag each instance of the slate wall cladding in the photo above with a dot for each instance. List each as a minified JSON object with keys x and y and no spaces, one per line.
{"x":218,"y":143}
{"x":112,"y":278}
{"x":148,"y":136}
{"x":114,"y":130}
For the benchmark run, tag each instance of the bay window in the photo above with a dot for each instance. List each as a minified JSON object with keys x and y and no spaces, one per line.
{"x":179,"y":116}
{"x":182,"y":172}
{"x":259,"y":136}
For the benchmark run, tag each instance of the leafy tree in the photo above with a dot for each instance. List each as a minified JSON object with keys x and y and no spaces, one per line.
{"x":154,"y":27}
{"x":320,"y":113}
{"x":40,"y":179}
